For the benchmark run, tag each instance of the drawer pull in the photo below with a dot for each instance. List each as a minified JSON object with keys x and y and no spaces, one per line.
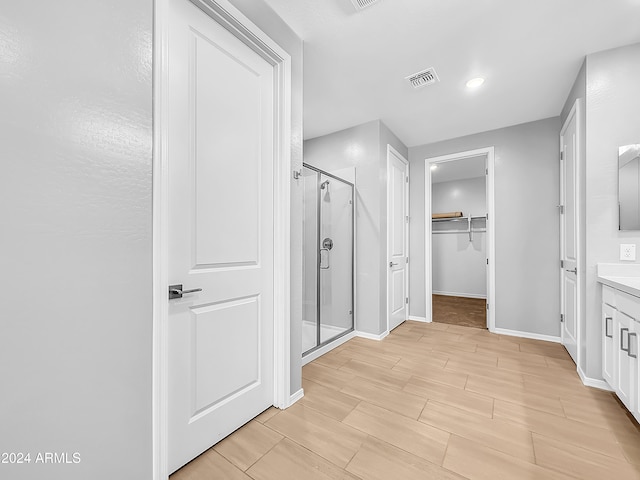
{"x":606,"y":327}
{"x":622,"y":330}
{"x":632,"y":355}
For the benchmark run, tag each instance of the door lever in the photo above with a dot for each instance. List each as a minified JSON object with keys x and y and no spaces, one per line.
{"x":575,"y":270}
{"x":324,"y":250}
{"x":176,"y":291}
{"x":392,"y":264}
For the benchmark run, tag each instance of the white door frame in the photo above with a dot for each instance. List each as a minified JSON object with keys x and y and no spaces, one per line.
{"x":576,"y":111}
{"x":233,"y":20}
{"x":393,"y":151}
{"x":491,"y":231}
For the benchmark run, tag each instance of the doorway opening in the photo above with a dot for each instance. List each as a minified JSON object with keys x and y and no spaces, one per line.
{"x":459,"y":239}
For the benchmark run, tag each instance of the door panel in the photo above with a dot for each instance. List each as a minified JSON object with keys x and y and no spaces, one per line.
{"x":220,"y":232}
{"x":569,"y":237}
{"x":634,"y":344}
{"x":609,"y":345}
{"x":397,"y":204}
{"x":623,"y":380}
{"x":398,"y":288}
{"x":220,"y":85}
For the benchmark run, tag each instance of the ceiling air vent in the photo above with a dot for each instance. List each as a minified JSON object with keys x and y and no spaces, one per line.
{"x":425,"y":77}
{"x":362,"y":4}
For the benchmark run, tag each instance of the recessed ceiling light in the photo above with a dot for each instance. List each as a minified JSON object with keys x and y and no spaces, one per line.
{"x":475,"y":82}
{"x":433,"y":167}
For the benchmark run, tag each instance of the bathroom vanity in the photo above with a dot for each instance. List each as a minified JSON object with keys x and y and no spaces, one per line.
{"x":620,"y":331}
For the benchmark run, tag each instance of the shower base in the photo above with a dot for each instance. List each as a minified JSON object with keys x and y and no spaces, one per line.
{"x":309,"y":333}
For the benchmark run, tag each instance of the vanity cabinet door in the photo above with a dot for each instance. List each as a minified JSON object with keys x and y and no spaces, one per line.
{"x":609,"y":345}
{"x":634,"y":370}
{"x":623,"y":378}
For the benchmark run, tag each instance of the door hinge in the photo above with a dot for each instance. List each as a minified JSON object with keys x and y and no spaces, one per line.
{"x":407,"y":218}
{"x":407,"y":259}
{"x":486,"y":171}
{"x":487,"y":306}
{"x":406,"y":179}
{"x":561,"y":263}
{"x":561,"y":207}
{"x":561,"y":318}
{"x":406,"y":300}
{"x":487,"y":261}
{"x":561,"y":155}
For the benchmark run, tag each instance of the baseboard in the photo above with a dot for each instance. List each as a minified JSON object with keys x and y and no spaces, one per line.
{"x":296,"y":396}
{"x":533,"y":336}
{"x":327,"y":348}
{"x":594,"y":382}
{"x":465,"y":295}
{"x":419,"y":319}
{"x":372,"y":336}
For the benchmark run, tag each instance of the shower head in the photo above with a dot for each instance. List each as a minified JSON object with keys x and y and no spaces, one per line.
{"x":324,"y":184}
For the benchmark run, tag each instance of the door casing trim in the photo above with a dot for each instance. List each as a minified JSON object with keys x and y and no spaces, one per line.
{"x":491,"y":230}
{"x":239,"y":25}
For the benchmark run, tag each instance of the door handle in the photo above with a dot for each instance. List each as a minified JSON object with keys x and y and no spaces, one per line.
{"x":622,"y":340}
{"x":324,"y":250}
{"x":606,"y":327}
{"x":575,"y":270}
{"x":392,"y":264}
{"x":632,"y":355}
{"x":176,"y":291}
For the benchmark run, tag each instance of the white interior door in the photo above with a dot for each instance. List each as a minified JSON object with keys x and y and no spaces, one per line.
{"x":569,"y":235}
{"x":220,"y":224}
{"x":397,"y":239}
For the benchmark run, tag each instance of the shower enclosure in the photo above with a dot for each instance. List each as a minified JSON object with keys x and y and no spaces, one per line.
{"x":328,"y":259}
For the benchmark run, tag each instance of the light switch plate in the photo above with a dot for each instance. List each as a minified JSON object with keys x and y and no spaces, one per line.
{"x":628,"y":252}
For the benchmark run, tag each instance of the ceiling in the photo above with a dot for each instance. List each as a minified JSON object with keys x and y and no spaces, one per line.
{"x":463,"y":169}
{"x":529,"y":52}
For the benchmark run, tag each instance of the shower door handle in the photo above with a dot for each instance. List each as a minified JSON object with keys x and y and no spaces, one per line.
{"x":324,"y":250}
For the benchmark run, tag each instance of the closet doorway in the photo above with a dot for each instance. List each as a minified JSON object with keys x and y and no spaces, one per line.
{"x":459,"y":234}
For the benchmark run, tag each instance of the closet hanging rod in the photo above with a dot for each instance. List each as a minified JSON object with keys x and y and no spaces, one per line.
{"x":452,"y":219}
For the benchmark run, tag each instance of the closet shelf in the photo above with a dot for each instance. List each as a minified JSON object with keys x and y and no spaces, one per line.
{"x":470,"y":230}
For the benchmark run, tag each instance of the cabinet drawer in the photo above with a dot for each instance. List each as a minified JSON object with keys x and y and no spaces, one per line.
{"x":628,"y":304}
{"x":608,"y":296}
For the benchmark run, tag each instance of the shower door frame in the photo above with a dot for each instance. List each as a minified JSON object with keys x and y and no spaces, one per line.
{"x":320,"y":344}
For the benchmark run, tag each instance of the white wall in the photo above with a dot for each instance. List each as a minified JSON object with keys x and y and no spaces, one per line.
{"x":459,"y":265}
{"x":527,"y":223}
{"x":612,"y":106}
{"x":361,"y":147}
{"x":75,"y":217}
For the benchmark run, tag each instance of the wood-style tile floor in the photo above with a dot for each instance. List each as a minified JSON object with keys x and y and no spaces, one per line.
{"x":467,"y":312}
{"x":434,"y":401}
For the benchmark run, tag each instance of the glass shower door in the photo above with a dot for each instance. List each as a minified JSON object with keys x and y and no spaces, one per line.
{"x":336,"y":258}
{"x":310,"y":259}
{"x":327,"y":258}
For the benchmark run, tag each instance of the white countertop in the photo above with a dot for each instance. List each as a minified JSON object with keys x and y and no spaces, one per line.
{"x":621,"y":276}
